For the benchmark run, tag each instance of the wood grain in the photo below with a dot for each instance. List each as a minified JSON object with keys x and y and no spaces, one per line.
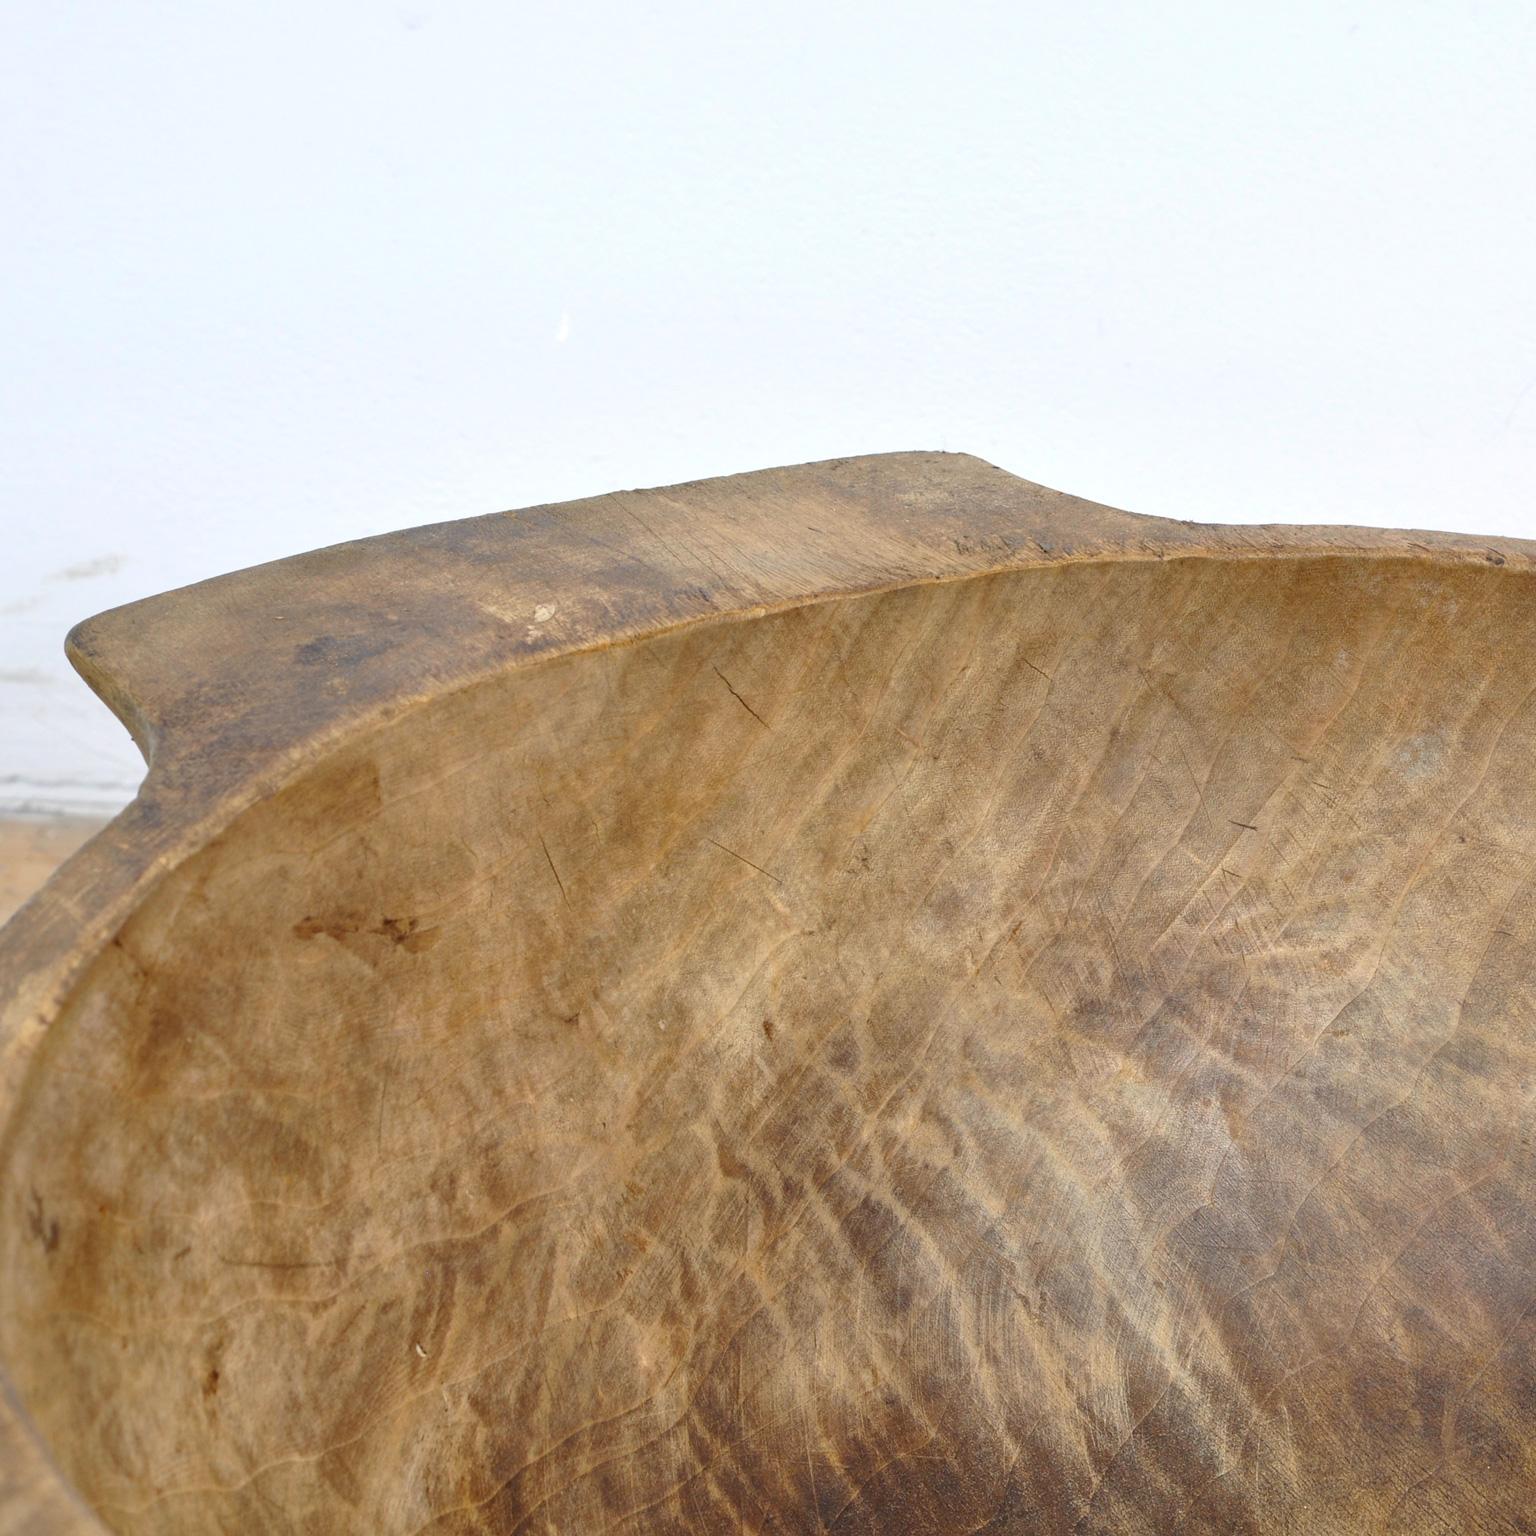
{"x":867,"y":998}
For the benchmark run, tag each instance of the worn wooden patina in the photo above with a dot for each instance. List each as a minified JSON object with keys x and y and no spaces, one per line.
{"x":872,"y":997}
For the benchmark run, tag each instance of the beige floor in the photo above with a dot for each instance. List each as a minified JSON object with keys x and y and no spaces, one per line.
{"x":30,"y":851}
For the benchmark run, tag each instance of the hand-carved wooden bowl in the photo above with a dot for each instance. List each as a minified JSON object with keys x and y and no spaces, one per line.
{"x":865,"y":998}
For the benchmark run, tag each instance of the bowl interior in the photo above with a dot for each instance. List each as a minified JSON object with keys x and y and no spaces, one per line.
{"x":1045,"y":1052}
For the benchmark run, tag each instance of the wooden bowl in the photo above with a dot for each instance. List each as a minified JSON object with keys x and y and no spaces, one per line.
{"x":869,"y":998}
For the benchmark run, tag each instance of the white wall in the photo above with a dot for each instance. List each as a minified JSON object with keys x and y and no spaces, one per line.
{"x":281,"y":273}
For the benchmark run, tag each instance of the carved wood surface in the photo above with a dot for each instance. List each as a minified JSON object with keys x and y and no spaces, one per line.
{"x":866,"y":998}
